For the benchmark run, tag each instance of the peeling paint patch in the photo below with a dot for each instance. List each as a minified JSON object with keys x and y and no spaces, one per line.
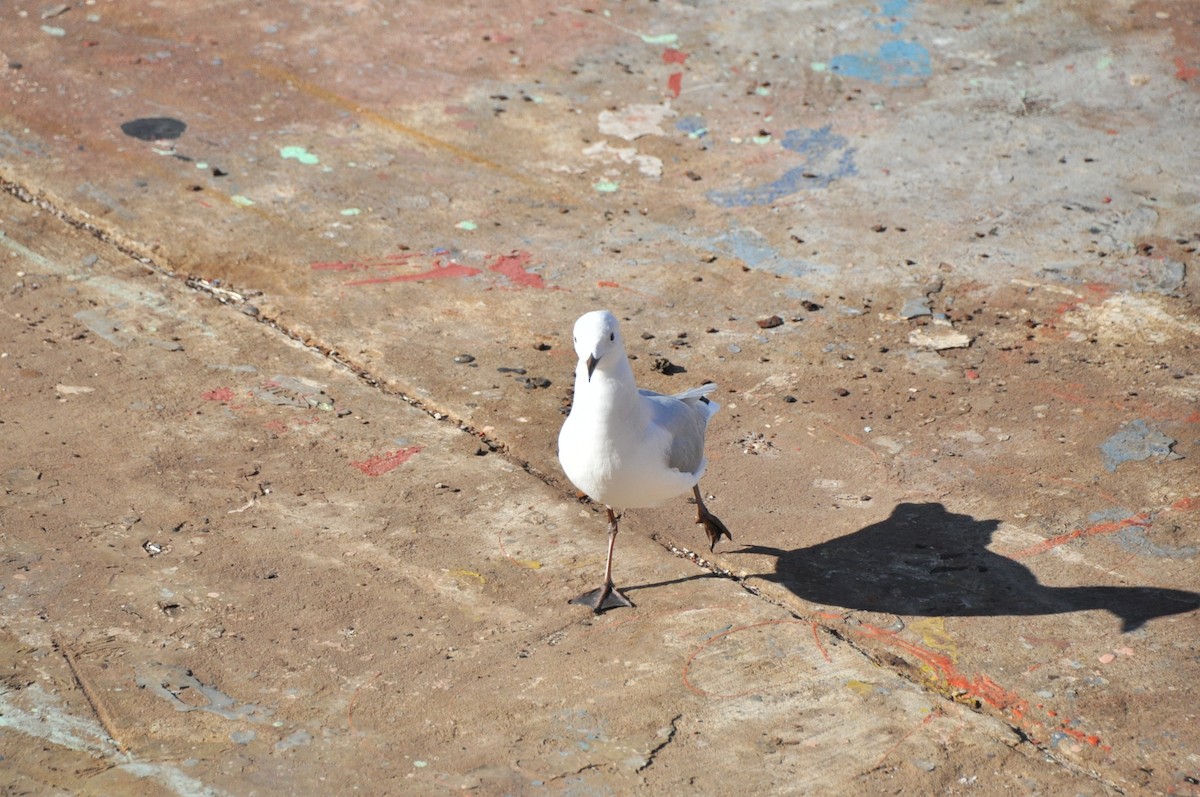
{"x":1134,"y":443}
{"x":826,"y":157}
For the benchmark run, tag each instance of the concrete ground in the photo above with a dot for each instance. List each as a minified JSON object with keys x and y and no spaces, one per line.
{"x":285,"y":343}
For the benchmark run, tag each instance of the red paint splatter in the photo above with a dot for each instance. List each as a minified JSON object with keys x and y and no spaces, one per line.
{"x":608,"y":284}
{"x":439,"y":271}
{"x":382,"y":463}
{"x":675,"y":83}
{"x":513,"y":267}
{"x":1183,"y":71}
{"x":276,"y":426}
{"x":221,"y":394}
{"x":972,"y":373}
{"x":673,"y":56}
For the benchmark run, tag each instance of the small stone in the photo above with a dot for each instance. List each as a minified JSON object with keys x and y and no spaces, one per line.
{"x":90,"y":260}
{"x":541,"y":346}
{"x":810,"y":306}
{"x":768,"y":323}
{"x":506,"y":370}
{"x":463,"y":359}
{"x":841,"y":391}
{"x":790,"y":399}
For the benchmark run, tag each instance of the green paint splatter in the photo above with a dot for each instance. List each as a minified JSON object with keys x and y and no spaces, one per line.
{"x":201,"y":165}
{"x":300,"y":154}
{"x":762,"y":91}
{"x":818,"y":66}
{"x":605,"y":186}
{"x":1104,"y":63}
{"x":350,"y":211}
{"x":760,"y":140}
{"x":54,"y":30}
{"x":241,"y":201}
{"x":659,"y":38}
{"x":466,"y":225}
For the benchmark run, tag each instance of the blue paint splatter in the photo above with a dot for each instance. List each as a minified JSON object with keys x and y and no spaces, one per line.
{"x":827,"y":157}
{"x":753,"y":249}
{"x":898,"y":12}
{"x":694,"y":126}
{"x":1136,"y":442}
{"x":1136,"y":538}
{"x":895,"y":62}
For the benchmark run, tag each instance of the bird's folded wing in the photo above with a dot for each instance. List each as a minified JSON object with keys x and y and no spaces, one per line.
{"x":684,"y":426}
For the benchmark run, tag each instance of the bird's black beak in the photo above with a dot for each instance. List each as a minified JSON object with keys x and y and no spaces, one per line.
{"x":591,"y":365}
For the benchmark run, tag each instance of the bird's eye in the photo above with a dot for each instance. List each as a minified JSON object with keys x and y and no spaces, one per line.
{"x":612,"y":336}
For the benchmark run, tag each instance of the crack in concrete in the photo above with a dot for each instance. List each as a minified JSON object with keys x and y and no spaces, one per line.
{"x":671,"y":731}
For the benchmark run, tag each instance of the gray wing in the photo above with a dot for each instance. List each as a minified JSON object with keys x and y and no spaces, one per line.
{"x":685,"y":424}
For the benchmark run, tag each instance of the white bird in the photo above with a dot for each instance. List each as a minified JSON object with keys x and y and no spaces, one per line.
{"x":629,"y":448}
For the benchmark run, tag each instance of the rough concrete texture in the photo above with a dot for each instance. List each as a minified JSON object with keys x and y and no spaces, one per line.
{"x":267,"y":530}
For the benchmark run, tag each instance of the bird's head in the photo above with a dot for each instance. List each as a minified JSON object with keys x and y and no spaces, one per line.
{"x":597,"y":335}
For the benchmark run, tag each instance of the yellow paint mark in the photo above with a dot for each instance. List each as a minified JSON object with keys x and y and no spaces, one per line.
{"x":934,"y":635}
{"x":860,"y":687}
{"x":468,"y":574}
{"x":532,"y":564}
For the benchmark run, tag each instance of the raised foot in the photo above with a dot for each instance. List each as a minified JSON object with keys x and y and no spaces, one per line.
{"x":603,"y":599}
{"x":713,"y":527}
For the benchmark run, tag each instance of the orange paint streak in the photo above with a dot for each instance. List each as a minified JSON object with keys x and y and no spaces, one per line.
{"x":820,"y":647}
{"x":1142,"y":519}
{"x":978,"y":687}
{"x":439,"y":271}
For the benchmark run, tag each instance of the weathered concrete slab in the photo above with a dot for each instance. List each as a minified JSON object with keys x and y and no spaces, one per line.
{"x":215,"y":585}
{"x":976,"y":227}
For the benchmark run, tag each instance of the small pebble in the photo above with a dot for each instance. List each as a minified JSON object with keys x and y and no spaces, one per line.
{"x":462,"y":359}
{"x":505,"y":370}
{"x":90,"y":260}
{"x":768,"y":323}
{"x":841,"y":391}
{"x":541,"y":346}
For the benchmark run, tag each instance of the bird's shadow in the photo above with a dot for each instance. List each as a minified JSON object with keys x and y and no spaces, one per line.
{"x":926,"y":561}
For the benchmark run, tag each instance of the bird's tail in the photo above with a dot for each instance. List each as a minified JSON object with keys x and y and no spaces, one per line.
{"x":698,"y":398}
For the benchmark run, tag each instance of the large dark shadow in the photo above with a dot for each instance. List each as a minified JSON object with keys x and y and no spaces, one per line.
{"x":924,"y":560}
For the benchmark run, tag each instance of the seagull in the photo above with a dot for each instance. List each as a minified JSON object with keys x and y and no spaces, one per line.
{"x":629,"y":448}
